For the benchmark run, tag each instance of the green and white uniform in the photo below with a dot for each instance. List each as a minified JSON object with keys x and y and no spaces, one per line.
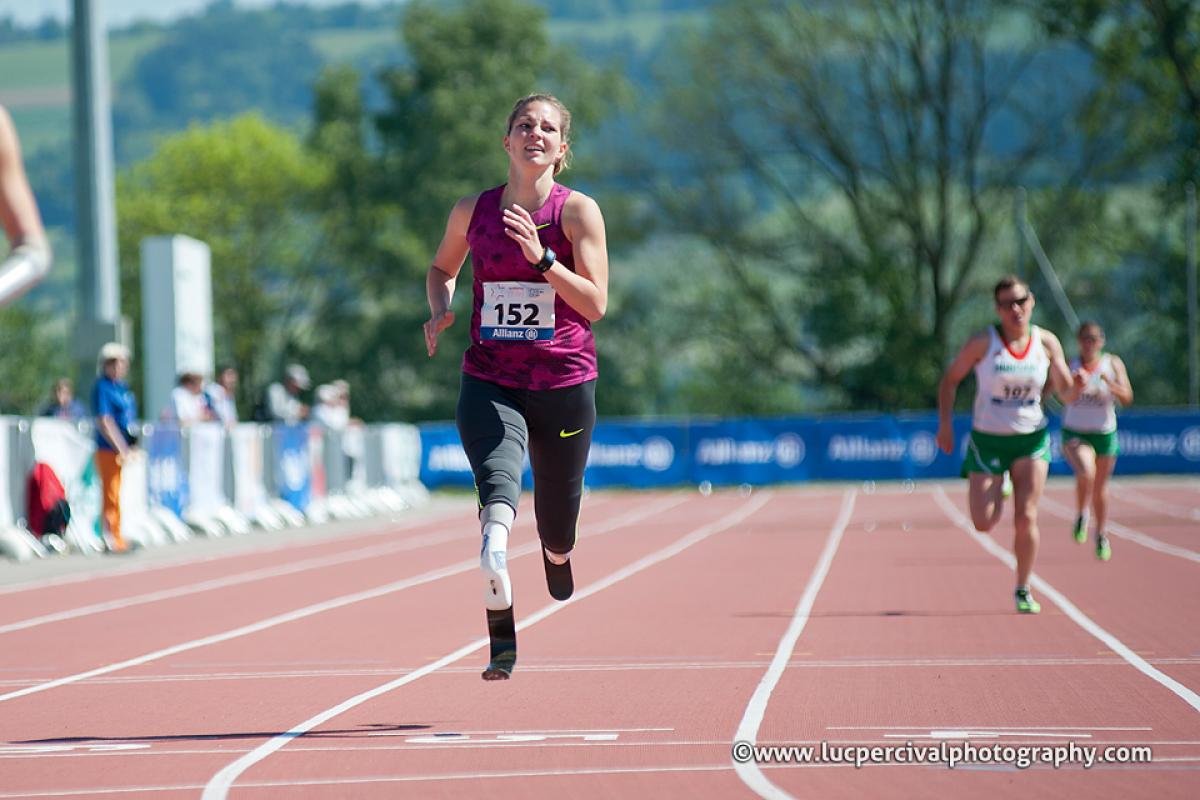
{"x":1093,"y":417}
{"x":1008,"y":422}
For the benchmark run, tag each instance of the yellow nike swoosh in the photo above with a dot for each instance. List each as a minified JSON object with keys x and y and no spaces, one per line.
{"x":539,"y":227}
{"x":565,"y":434}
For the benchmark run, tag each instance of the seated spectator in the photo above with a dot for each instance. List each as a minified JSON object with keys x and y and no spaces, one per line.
{"x":63,"y":404}
{"x":221,"y":395}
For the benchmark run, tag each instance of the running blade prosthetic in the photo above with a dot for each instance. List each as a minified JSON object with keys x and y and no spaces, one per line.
{"x":559,"y":579}
{"x":502,"y":630}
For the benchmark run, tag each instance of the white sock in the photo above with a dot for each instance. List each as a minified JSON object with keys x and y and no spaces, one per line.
{"x":493,"y":557}
{"x":555,"y":558}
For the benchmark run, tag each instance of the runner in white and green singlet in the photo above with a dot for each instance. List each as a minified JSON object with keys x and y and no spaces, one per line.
{"x":1090,"y":430}
{"x":1014,"y":362}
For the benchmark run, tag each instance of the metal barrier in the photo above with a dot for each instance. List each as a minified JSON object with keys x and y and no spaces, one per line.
{"x":209,"y":480}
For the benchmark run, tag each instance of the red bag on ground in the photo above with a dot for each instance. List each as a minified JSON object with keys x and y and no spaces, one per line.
{"x":46,"y":507}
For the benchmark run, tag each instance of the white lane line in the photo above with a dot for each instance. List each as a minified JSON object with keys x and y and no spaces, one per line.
{"x":510,"y":731}
{"x":328,"y":605}
{"x":1068,"y":608}
{"x":225,"y":582}
{"x":1124,"y":492}
{"x":464,"y":776}
{"x":219,"y":785}
{"x":186,"y":560}
{"x":957,"y":726}
{"x":632,"y":666}
{"x":487,"y":776}
{"x":747,"y":730}
{"x":1125,"y":532}
{"x":304,"y":752}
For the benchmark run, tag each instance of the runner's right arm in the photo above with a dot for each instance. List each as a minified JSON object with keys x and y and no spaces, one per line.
{"x":443,"y":272}
{"x":963,"y":363}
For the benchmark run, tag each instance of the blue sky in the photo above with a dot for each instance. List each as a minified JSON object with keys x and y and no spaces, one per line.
{"x":122,"y":12}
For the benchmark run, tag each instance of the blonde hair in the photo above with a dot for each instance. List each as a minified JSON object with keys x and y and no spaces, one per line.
{"x":565,"y":128}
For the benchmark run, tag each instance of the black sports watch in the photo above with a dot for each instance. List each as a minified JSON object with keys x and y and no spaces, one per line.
{"x":547,"y":261}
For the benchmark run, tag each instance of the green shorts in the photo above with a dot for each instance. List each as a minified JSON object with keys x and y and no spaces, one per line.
{"x":1105,"y":444}
{"x":994,"y":454}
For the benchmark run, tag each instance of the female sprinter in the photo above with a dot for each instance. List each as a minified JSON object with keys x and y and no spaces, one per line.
{"x":1090,"y":430}
{"x":540,"y":279}
{"x":1013,"y":362}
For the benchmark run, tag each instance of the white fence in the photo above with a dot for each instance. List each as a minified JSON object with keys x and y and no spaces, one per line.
{"x":208,"y":480}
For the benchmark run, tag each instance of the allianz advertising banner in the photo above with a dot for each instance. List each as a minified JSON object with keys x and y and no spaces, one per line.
{"x":754,"y":451}
{"x":293,"y":479}
{"x":443,"y":460}
{"x":166,"y":476}
{"x":1147,"y":442}
{"x":787,"y":450}
{"x":638,"y":454}
{"x":888,"y":448}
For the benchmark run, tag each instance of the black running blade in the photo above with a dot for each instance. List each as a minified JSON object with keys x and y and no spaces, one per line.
{"x":502,"y":630}
{"x":559,"y":579}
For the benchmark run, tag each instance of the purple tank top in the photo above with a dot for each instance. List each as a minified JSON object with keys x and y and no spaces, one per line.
{"x":566,"y":359}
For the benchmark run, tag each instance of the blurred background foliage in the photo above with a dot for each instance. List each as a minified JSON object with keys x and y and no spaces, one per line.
{"x":807,"y":204}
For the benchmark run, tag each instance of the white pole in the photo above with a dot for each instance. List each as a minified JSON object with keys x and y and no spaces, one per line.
{"x":1060,"y":296}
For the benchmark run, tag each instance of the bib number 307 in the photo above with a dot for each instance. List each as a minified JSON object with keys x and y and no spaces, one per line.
{"x":517,"y":311}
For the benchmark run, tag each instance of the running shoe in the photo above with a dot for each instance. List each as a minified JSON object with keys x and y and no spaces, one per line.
{"x":1006,"y":489}
{"x":1103,"y":549}
{"x":1080,"y":531}
{"x":1025,"y":602}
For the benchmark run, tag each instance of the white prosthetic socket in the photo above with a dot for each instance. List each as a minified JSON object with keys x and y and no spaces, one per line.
{"x":496,"y":520}
{"x":25,"y":266}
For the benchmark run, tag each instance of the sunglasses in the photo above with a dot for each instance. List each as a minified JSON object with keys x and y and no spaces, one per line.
{"x":1091,"y":338}
{"x":1013,"y":302}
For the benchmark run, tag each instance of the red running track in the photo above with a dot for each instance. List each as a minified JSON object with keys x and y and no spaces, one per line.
{"x":827,"y":617}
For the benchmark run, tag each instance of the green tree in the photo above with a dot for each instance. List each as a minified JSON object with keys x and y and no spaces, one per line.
{"x":397,"y":173}
{"x":849,"y":176}
{"x":213,"y":66}
{"x":1147,"y":56}
{"x":245,"y":188}
{"x":1143,"y":113}
{"x":35,"y":356}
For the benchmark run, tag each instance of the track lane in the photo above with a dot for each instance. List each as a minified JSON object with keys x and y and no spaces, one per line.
{"x":685,"y":652}
{"x":907,"y":586}
{"x":385,"y":632}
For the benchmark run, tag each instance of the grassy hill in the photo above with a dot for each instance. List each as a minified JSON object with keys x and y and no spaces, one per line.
{"x":35,"y":75}
{"x":35,"y":83}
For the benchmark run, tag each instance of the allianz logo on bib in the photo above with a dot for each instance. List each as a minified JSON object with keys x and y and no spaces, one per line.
{"x":517,"y":334}
{"x":920,"y":448}
{"x":786,"y":450}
